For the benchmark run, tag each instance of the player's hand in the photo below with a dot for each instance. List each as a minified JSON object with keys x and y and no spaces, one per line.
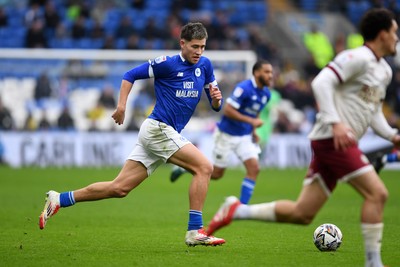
{"x":256,"y":138}
{"x":215,"y":93}
{"x":343,"y":136}
{"x":396,"y":140}
{"x":119,"y":115}
{"x":216,"y":96}
{"x":257,"y":122}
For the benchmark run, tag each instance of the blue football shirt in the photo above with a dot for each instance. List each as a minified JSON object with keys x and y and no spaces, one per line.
{"x":178,"y":86}
{"x":248,"y":100}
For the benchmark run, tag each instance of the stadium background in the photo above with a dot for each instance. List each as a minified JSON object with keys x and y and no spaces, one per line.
{"x":52,"y":91}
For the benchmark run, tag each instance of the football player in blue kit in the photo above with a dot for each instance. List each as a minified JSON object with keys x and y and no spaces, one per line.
{"x":236,"y":131}
{"x":178,"y":81}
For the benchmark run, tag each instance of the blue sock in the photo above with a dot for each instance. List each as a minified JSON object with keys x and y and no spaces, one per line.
{"x":195,"y":220}
{"x":247,"y":190}
{"x":67,"y":199}
{"x":392,"y":157}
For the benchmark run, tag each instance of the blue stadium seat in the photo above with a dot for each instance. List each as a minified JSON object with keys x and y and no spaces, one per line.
{"x":97,"y":43}
{"x":157,"y":4}
{"x":355,"y":10}
{"x":120,"y":43}
{"x":16,"y":21}
{"x":207,"y":5}
{"x":308,"y":5}
{"x":65,"y":43}
{"x":84,"y":43}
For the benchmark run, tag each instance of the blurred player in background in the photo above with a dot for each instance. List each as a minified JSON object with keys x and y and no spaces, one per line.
{"x":269,"y":116}
{"x":349,"y":92}
{"x":178,"y":82}
{"x":236,"y":132}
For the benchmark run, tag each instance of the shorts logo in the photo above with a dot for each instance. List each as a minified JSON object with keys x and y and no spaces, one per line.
{"x":197,"y":72}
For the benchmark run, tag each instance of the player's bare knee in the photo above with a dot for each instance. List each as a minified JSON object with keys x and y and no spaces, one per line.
{"x":217,"y":174}
{"x":304,"y":218}
{"x":254,"y":171}
{"x":378,"y":196}
{"x":382,"y":195}
{"x":119,"y":191}
{"x":205,"y":169}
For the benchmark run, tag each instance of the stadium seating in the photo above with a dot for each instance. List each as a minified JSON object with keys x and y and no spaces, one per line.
{"x":254,"y":11}
{"x":355,"y":10}
{"x":240,"y":14}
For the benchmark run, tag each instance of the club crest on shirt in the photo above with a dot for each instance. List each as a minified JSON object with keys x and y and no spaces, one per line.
{"x":197,"y":72}
{"x":370,"y":94}
{"x":342,"y":60}
{"x":237,"y":92}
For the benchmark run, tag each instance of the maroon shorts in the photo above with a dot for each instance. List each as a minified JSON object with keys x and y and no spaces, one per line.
{"x":330,"y":165}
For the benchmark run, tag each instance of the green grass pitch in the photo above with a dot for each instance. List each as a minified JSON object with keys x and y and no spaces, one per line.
{"x":147,"y":228}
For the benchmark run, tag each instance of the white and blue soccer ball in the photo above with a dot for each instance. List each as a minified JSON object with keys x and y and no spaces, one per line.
{"x":327,"y":237}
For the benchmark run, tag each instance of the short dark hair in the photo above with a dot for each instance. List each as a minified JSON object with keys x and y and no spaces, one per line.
{"x":194,"y":30}
{"x":259,"y":64}
{"x":374,"y":21}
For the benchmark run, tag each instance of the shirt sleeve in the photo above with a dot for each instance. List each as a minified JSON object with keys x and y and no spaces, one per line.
{"x":347,"y":65}
{"x":323,"y":87}
{"x":161,"y":67}
{"x":140,"y":72}
{"x":210,"y":78}
{"x":237,"y":97}
{"x":209,"y":72}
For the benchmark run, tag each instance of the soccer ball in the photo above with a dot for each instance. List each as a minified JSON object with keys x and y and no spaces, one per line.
{"x":327,"y":237}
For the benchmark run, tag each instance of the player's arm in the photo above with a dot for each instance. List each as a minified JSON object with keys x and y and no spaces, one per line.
{"x":143,"y":71}
{"x":231,"y":112}
{"x":347,"y":65}
{"x":382,"y":128}
{"x":256,"y":137}
{"x":323,"y":88}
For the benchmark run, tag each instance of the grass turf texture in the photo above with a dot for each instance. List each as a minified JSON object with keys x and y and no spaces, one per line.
{"x":147,"y":227}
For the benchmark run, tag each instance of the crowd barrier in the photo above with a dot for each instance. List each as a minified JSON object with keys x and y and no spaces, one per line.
{"x":101,"y":149}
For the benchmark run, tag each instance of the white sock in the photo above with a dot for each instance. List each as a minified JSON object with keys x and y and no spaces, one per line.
{"x":372,"y":234}
{"x":262,"y":212}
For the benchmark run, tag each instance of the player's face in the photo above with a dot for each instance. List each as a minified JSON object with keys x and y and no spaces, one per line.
{"x":265,"y":75}
{"x":192,"y":50}
{"x":391,"y":39}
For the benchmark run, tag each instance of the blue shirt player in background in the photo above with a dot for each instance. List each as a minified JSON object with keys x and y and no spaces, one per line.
{"x":236,"y":133}
{"x":178,"y":81}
